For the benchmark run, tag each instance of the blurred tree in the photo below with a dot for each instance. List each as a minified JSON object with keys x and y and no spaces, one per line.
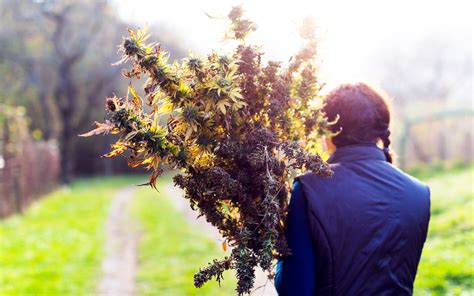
{"x":69,"y":48}
{"x":22,"y":52}
{"x":55,"y":59}
{"x":435,"y":68}
{"x":428,"y":75}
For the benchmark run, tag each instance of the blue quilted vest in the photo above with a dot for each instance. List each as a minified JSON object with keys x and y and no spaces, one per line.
{"x":368,"y":224}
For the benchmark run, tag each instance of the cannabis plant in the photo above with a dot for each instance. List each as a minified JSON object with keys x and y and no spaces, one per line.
{"x":236,"y":128}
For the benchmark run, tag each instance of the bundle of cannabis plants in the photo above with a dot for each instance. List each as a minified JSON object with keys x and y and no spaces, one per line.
{"x":236,"y":128}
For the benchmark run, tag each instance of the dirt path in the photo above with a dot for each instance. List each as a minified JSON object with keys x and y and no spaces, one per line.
{"x":262,"y":286}
{"x":119,"y":265}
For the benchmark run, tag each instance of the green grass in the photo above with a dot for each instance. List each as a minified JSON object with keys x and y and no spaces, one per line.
{"x":56,"y":246}
{"x":447,"y":264}
{"x":171,"y":250}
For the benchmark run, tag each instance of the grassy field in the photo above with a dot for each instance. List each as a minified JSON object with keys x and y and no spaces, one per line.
{"x":447,"y":264}
{"x":171,"y":250}
{"x":55,"y":248}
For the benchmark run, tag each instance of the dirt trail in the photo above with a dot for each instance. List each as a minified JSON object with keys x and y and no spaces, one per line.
{"x":119,"y":265}
{"x":262,"y":286}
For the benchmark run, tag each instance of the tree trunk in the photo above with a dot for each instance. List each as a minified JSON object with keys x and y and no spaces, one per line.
{"x":46,"y":124}
{"x":419,"y":152}
{"x":468,"y":147}
{"x":67,"y":96}
{"x":442,"y":149}
{"x":67,"y":153}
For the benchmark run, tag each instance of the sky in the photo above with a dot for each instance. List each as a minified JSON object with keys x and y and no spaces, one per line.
{"x":352,"y":33}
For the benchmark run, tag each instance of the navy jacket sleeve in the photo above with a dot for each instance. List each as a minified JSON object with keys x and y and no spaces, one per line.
{"x":295,"y":274}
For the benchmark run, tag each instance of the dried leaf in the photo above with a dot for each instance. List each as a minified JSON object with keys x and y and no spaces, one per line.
{"x":224,"y":246}
{"x":101,"y":128}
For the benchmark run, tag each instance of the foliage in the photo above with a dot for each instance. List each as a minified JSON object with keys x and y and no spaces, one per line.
{"x":236,"y":127}
{"x":55,"y":247}
{"x":54,"y":61}
{"x":447,"y":260}
{"x":13,"y":129}
{"x":170,"y":248}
